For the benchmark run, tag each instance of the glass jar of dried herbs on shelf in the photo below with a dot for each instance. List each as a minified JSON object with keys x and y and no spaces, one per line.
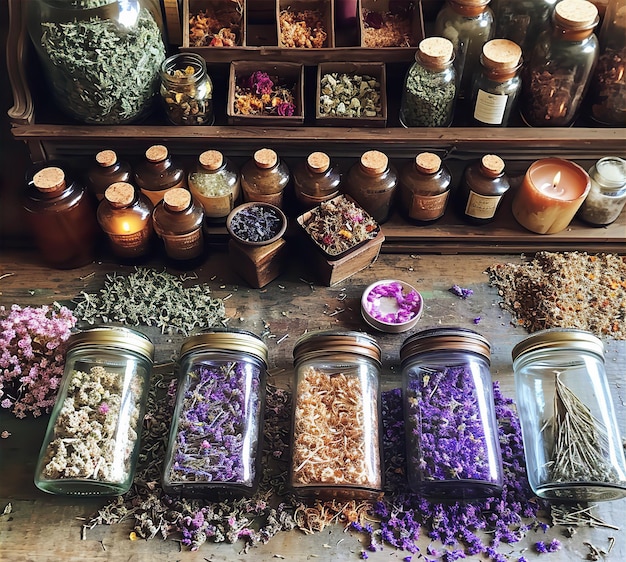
{"x":101,"y":57}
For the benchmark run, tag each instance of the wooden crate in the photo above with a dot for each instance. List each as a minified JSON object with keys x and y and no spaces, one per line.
{"x":326,"y":10}
{"x":414,"y":10}
{"x":229,"y":10}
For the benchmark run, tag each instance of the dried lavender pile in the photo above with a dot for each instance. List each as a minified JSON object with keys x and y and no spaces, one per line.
{"x":566,"y":290}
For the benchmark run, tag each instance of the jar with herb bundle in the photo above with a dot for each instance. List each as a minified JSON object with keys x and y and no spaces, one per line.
{"x":453,"y":447}
{"x":107,"y":169}
{"x":336,"y":430}
{"x":572,"y":443}
{"x":158,"y":172}
{"x":215,"y":182}
{"x":430,"y":86}
{"x":101,"y":57}
{"x":316,"y":179}
{"x":607,"y":195}
{"x":557,"y":76}
{"x":216,"y":437}
{"x":424,"y":188}
{"x":92,"y":442}
{"x":264,"y":178}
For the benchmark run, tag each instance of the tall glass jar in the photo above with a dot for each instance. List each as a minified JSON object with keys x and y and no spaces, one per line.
{"x":61,"y":217}
{"x":107,"y":169}
{"x":453,"y":447}
{"x":316,"y":179}
{"x":607,"y":196}
{"x":336,"y":433}
{"x":125,"y":216}
{"x":92,"y":441}
{"x":469,"y":25}
{"x":430,"y":88}
{"x":216,"y":437}
{"x":372,"y":183}
{"x":158,"y":172}
{"x":482,"y":188}
{"x":101,"y":57}
{"x":265,"y":177}
{"x":496,"y":86}
{"x":215,"y":183}
{"x":423,"y":188}
{"x":571,"y":438}
{"x":186,"y":90}
{"x":177,"y":221}
{"x":608,"y":86}
{"x":557,"y":76}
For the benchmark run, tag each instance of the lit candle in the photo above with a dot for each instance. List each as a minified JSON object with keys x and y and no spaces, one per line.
{"x":551,"y":193}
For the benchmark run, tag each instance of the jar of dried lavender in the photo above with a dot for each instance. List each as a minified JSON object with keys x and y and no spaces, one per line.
{"x":92,"y":442}
{"x":453,"y":448}
{"x":216,"y":436}
{"x":336,"y":433}
{"x":572,"y":443}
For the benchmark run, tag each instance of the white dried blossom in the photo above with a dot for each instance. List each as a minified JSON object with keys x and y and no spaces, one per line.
{"x":350,"y":95}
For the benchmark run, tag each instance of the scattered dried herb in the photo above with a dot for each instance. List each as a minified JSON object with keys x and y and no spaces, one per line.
{"x":461,"y":291}
{"x":152,"y":298}
{"x":262,"y":94}
{"x":256,"y":223}
{"x":302,"y":29}
{"x":350,"y":95}
{"x":217,"y":25}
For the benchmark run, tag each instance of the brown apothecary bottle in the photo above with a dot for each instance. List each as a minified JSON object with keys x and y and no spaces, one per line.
{"x":107,"y":169}
{"x":61,"y":217}
{"x":265,"y":177}
{"x":158,"y":172}
{"x":316,"y":179}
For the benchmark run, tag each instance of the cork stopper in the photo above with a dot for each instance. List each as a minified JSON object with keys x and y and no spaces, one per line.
{"x":156,"y":153}
{"x":501,"y":54}
{"x":318,"y":162}
{"x":436,"y":51}
{"x":576,"y":14}
{"x":120,"y":194}
{"x":492,"y":165}
{"x":106,"y":158}
{"x":374,"y":162}
{"x":265,"y":158}
{"x":427,"y":162}
{"x":211,"y":160}
{"x":49,"y":179}
{"x":177,"y":199}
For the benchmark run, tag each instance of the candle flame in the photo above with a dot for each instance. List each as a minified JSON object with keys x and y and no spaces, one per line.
{"x":125,"y":227}
{"x":556,"y":180}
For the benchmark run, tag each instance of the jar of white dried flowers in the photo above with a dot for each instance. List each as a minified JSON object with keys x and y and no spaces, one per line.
{"x":92,"y":441}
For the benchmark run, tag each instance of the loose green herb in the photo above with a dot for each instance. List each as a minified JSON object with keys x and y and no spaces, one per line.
{"x":101,"y":71}
{"x":350,"y":95}
{"x":152,"y":298}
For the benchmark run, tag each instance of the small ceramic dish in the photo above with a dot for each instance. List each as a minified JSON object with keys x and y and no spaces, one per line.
{"x":391,"y":306}
{"x":256,"y":223}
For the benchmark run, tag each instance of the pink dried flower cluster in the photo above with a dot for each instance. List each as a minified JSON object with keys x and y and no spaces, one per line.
{"x":32,"y":356}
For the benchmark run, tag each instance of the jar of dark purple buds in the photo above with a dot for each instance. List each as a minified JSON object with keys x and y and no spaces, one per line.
{"x":215,"y":440}
{"x":453,"y":448}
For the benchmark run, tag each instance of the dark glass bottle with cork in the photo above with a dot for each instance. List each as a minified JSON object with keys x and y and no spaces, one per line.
{"x":316,"y":179}
{"x":158,"y":172}
{"x":265,"y":177}
{"x":107,"y":169}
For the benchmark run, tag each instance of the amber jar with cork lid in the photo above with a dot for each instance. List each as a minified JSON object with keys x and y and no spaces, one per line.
{"x":483,"y":185}
{"x":177,"y":221}
{"x":107,"y":169}
{"x":125,"y":216}
{"x":61,"y":218}
{"x":265,"y":177}
{"x":316,"y":179}
{"x":372,"y":183}
{"x":159,"y":172}
{"x":424,"y":188}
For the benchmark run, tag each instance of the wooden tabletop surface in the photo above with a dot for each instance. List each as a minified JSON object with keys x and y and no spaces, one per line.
{"x":47,"y":527}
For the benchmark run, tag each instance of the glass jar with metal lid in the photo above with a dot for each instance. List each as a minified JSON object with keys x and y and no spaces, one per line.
{"x":336,"y":447}
{"x":572,"y":443}
{"x":93,"y":437}
{"x":453,"y":448}
{"x":216,"y":436}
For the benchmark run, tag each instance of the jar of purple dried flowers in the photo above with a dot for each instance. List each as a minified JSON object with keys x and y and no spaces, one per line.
{"x":91,"y":445}
{"x":453,"y":449}
{"x":215,"y":441}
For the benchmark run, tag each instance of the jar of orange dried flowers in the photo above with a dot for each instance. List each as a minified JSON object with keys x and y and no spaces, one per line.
{"x":336,"y":448}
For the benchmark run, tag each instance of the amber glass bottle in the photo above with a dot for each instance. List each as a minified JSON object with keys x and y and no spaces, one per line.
{"x":265,"y":177}
{"x":159,"y":172}
{"x":316,"y":179}
{"x":107,"y":169}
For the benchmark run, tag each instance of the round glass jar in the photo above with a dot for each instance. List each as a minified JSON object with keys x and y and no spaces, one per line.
{"x":315,"y":180}
{"x":107,"y":169}
{"x":336,"y":432}
{"x":101,"y":57}
{"x":158,"y":172}
{"x":430,"y":88}
{"x":215,"y":183}
{"x":453,"y":446}
{"x":572,"y":444}
{"x":186,"y":90}
{"x":607,"y":195}
{"x":423,"y":188}
{"x":265,"y":177}
{"x":216,"y":437}
{"x":93,"y":437}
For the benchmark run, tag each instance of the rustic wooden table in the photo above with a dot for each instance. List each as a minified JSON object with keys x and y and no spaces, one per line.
{"x":46,"y":527}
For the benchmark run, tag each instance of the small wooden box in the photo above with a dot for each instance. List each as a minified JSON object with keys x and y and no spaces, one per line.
{"x":416,"y":21}
{"x":226,"y":11}
{"x":324,"y":7}
{"x":258,"y":265}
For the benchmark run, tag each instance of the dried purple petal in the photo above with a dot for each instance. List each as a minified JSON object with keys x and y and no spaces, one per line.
{"x":374,"y":20}
{"x":256,"y":223}
{"x":460,"y":291}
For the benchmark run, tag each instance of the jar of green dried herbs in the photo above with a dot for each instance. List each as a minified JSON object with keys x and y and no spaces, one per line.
{"x":572,"y":442}
{"x":101,"y":57}
{"x":430,"y":86}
